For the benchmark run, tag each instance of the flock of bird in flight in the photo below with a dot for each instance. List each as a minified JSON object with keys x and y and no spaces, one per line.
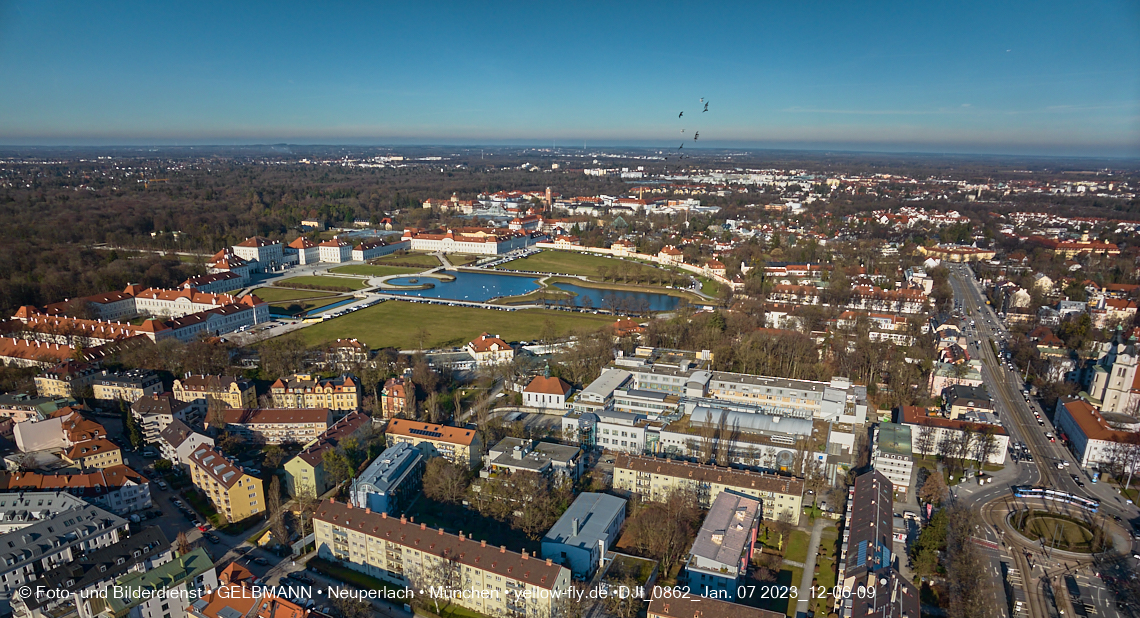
{"x":696,"y":134}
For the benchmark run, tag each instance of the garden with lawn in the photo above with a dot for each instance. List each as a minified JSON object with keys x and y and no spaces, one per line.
{"x":398,"y":324}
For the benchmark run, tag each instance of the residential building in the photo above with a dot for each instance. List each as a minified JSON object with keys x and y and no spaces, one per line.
{"x":178,"y":441}
{"x":263,"y":254}
{"x":718,"y":560}
{"x":345,"y":354}
{"x":584,"y":533}
{"x":88,"y":576}
{"x":60,"y":430}
{"x":165,"y":590}
{"x":278,"y":425}
{"x":490,"y":350}
{"x":238,"y":596}
{"x":21,"y":407}
{"x":928,"y":431}
{"x":547,"y":393}
{"x":1097,"y":438}
{"x":305,"y":472}
{"x":156,"y":412}
{"x":129,"y":386}
{"x":400,"y":552}
{"x":67,"y":379}
{"x":555,"y":461}
{"x":867,"y":555}
{"x":704,"y":607}
{"x":391,"y":481}
{"x":891,"y":454}
{"x":117,"y":489}
{"x":215,"y":283}
{"x":945,"y":375}
{"x":64,"y":528}
{"x":97,"y":453}
{"x":613,"y":431}
{"x":394,"y":397}
{"x":341,"y":394}
{"x":335,"y":250}
{"x":456,"y":444}
{"x":959,"y":400}
{"x":654,"y":478}
{"x":234,"y":493}
{"x":234,"y":392}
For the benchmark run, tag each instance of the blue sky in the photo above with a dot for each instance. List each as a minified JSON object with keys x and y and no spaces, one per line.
{"x":988,"y":77}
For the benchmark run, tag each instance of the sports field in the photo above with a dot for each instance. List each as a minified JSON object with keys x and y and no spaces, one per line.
{"x":397,"y":324}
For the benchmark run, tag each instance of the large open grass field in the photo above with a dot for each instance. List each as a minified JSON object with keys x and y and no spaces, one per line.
{"x":272,"y":295}
{"x":355,"y":284}
{"x":569,"y":263}
{"x":369,"y":270}
{"x":293,"y":307}
{"x":408,"y":259}
{"x":396,"y":324}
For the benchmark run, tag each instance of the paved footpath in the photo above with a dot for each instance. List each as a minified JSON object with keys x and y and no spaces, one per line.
{"x":802,"y":605}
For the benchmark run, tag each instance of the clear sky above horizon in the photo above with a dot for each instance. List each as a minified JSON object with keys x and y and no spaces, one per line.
{"x":988,"y":77}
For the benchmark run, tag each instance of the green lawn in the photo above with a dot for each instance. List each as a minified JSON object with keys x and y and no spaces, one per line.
{"x":273,"y":295}
{"x":461,"y":259}
{"x":826,"y":578}
{"x":709,"y":287}
{"x":356,"y":284}
{"x":396,"y":324}
{"x":797,"y":546}
{"x":369,"y":270}
{"x":568,"y":263}
{"x":297,"y":306}
{"x":426,"y":260}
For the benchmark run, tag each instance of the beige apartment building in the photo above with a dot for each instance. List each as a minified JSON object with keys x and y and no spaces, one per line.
{"x":67,"y":379}
{"x":232,"y":491}
{"x":455,"y":444}
{"x":653,"y":478}
{"x":304,"y":391}
{"x":403,"y":553}
{"x":278,"y":425}
{"x":232,"y":391}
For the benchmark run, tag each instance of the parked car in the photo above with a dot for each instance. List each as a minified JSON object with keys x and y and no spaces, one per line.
{"x":163,"y":486}
{"x":261,"y":561}
{"x":213,"y":538}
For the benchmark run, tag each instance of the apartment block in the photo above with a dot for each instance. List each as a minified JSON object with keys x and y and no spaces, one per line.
{"x":118,"y":489}
{"x":891,"y":454}
{"x":456,"y":444}
{"x":129,"y":386}
{"x":390,"y":482}
{"x":718,"y":560}
{"x":340,"y":394}
{"x":233,"y":391}
{"x":156,"y":412}
{"x":305,"y":472}
{"x":653,"y":478}
{"x":403,"y":553}
{"x":278,"y":425}
{"x":67,"y":379}
{"x":233,"y":492}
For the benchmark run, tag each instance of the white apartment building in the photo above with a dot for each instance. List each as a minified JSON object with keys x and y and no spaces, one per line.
{"x":891,"y":454}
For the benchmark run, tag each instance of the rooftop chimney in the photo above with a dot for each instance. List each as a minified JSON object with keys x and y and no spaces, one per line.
{"x":574,"y":527}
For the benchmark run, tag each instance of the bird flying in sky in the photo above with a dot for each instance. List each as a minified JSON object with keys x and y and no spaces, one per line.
{"x":706,"y":108}
{"x":696,"y":135}
{"x":681,"y":114}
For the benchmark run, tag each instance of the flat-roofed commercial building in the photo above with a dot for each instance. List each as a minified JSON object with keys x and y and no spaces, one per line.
{"x":718,"y":560}
{"x":399,"y":552}
{"x":1096,"y":442}
{"x":891,"y":454}
{"x":390,"y":482}
{"x":556,"y":461}
{"x":654,"y":478}
{"x":278,"y":425}
{"x":456,"y":444}
{"x":585,"y":532}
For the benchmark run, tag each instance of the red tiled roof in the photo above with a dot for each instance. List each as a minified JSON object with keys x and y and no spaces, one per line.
{"x":548,"y":386}
{"x":440,"y":433}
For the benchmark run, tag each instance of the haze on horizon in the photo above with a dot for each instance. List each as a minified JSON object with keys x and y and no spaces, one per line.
{"x":1042,"y":78}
